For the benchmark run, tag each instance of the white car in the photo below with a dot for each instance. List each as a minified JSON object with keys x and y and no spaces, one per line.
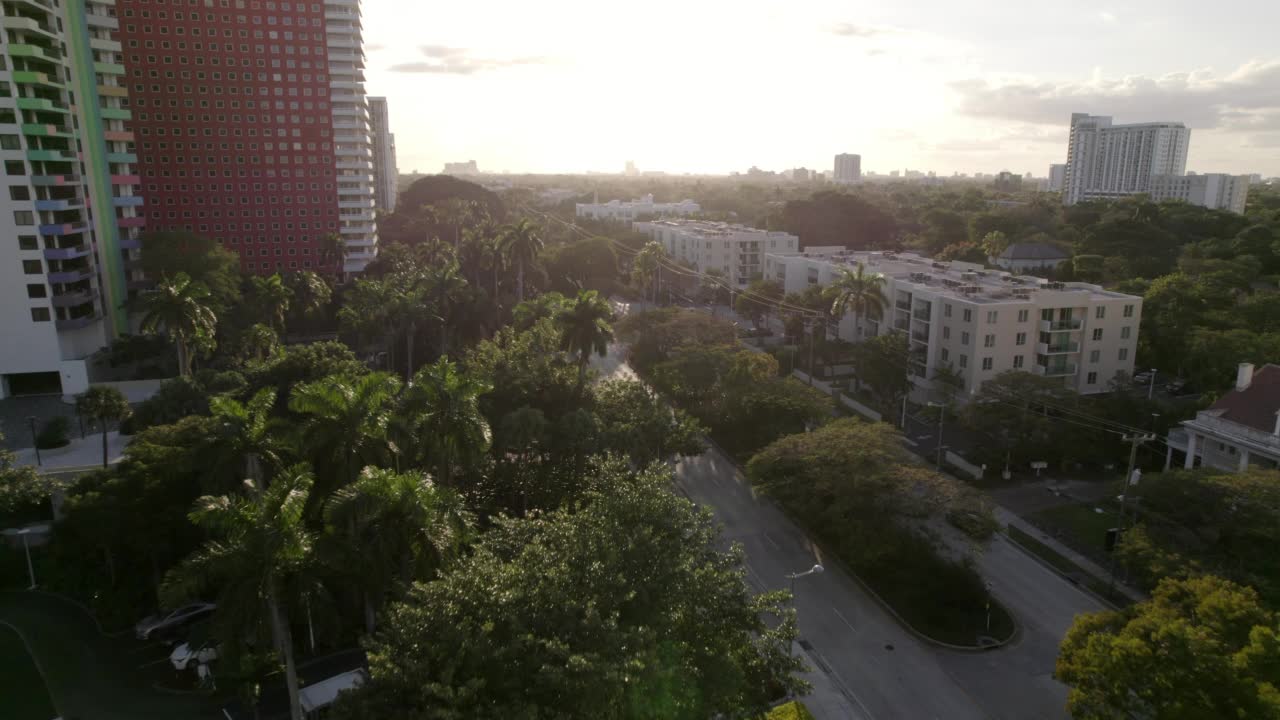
{"x":162,"y":622}
{"x":183,"y":654}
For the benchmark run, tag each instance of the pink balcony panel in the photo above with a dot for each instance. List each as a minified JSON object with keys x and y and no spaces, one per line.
{"x":131,"y":222}
{"x":126,"y":179}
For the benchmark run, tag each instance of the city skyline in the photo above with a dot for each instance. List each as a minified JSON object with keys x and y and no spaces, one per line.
{"x":923,"y":89}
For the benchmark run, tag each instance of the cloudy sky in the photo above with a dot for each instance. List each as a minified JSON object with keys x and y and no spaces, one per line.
{"x":720,"y":85}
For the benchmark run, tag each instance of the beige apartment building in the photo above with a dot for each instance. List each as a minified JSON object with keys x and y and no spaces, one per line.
{"x":735,"y":251}
{"x":982,"y":322}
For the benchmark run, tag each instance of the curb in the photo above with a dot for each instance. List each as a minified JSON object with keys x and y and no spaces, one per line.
{"x":35,"y":661}
{"x":1017,"y":626}
{"x":1083,"y":588}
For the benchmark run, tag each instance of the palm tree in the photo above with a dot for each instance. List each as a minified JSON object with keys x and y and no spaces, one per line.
{"x":521,"y":244}
{"x":645,"y":268}
{"x":388,"y":528}
{"x":458,"y":212}
{"x":271,"y":297}
{"x":259,"y":342}
{"x":311,"y":294}
{"x":861,"y":293}
{"x":180,"y":309}
{"x":389,"y":306}
{"x":246,"y":437}
{"x":443,"y":408}
{"x":584,"y":328}
{"x":258,"y":545}
{"x":345,"y":422}
{"x":445,"y":285}
{"x":333,"y":251}
{"x":104,"y":404}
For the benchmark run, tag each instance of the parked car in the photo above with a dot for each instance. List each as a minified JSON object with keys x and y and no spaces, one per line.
{"x":202,"y":653}
{"x":166,"y":622}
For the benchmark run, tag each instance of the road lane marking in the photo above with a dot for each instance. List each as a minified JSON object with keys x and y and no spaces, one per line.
{"x":844,"y":687}
{"x":772,"y":542}
{"x":845,"y":619}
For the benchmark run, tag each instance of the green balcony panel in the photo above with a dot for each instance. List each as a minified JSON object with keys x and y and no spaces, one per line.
{"x":44,"y":130}
{"x":121,"y":157}
{"x":108,"y":68}
{"x":29,"y":77}
{"x":116,"y":114}
{"x":48,"y":156}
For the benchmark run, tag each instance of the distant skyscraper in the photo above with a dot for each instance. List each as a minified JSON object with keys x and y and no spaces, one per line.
{"x":1057,"y":177}
{"x":631,"y":170}
{"x":253,"y":126}
{"x":461,"y":168}
{"x":848,"y":168}
{"x":384,"y":155}
{"x":1107,"y":161}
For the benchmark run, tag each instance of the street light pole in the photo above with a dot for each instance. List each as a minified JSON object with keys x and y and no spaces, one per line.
{"x":31,"y":572}
{"x":1151,"y":389}
{"x":1134,"y":441}
{"x":817,"y":569}
{"x":35,"y":441}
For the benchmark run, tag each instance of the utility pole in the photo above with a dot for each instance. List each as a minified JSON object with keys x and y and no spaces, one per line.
{"x":1134,"y":441}
{"x":811,"y":327}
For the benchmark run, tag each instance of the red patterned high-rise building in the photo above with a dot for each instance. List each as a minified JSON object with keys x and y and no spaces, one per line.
{"x":252,"y":127}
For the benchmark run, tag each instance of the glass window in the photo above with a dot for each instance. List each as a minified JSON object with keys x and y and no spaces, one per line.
{"x":28,"y":242}
{"x":1124,"y":332}
{"x":19,"y":192}
{"x":1128,"y":311}
{"x":1095,"y":356}
{"x":24,"y":217}
{"x":1097,"y":333}
{"x":37,"y":291}
{"x":1021,"y":339}
{"x":1124,"y":354}
{"x":946,"y":310}
{"x":40,"y":314}
{"x":986,"y":363}
{"x":964,"y":361}
{"x":15,"y":167}
{"x":1100,"y":312}
{"x":1092,"y":379}
{"x":989,"y":341}
{"x":32,"y":267}
{"x":1017,"y":362}
{"x":992,"y":316}
{"x":968,"y":315}
{"x":964,"y":338}
{"x":946,"y":355}
{"x":946,"y":332}
{"x":1023,"y":315}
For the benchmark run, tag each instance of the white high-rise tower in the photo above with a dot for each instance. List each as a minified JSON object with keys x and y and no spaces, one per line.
{"x":1106,"y":161}
{"x":353,"y":142}
{"x":384,"y":155}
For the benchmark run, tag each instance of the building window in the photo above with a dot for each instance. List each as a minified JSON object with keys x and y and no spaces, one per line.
{"x":1124,"y":332}
{"x":19,"y":192}
{"x":946,"y":310}
{"x":1021,"y":339}
{"x":968,"y":315}
{"x":37,"y":291}
{"x":964,"y":361}
{"x":1092,"y":378}
{"x":15,"y":167}
{"x":28,"y":242}
{"x":946,"y":355}
{"x":32,"y":267}
{"x":1023,"y":315}
{"x":1128,"y":311}
{"x":1097,"y":333}
{"x":989,"y":341}
{"x":40,"y":314}
{"x":986,"y":363}
{"x":1017,"y":362}
{"x":946,"y":332}
{"x":1095,"y":356}
{"x":1124,"y":354}
{"x":1100,"y":312}
{"x":964,"y":338}
{"x":24,"y":217}
{"x":992,"y":316}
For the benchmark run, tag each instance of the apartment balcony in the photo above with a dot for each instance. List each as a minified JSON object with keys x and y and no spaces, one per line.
{"x":140,"y":285}
{"x":1065,"y":370}
{"x":59,"y":205}
{"x":1057,"y":348}
{"x":45,"y":130}
{"x":116,"y":113}
{"x":77,"y":323}
{"x":130,"y":243}
{"x":61,"y":229}
{"x":66,"y":253}
{"x":122,"y":157}
{"x":49,"y":156}
{"x":107,"y":68}
{"x":126,"y":179}
{"x":18,"y":22}
{"x":66,"y":277}
{"x":57,"y":179}
{"x":357,"y":229}
{"x":73,"y":299}
{"x":130,"y":222}
{"x":102,"y":21}
{"x":1060,"y":325}
{"x":127,"y":201}
{"x":367,"y":242}
{"x":105,"y":45}
{"x":113,"y":91}
{"x":38,"y":104}
{"x":118,"y":135}
{"x":922,"y":315}
{"x":30,"y":77}
{"x":35,"y":52}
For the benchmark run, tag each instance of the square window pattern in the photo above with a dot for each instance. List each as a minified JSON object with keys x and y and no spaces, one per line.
{"x":987,"y":363}
{"x":1023,"y":315}
{"x":1097,"y":333}
{"x":1095,"y":356}
{"x":1124,"y":354}
{"x":964,"y":338}
{"x":32,"y":267}
{"x":40,"y":314}
{"x":1021,"y":339}
{"x":964,"y":361}
{"x":1092,"y":378}
{"x":1017,"y":362}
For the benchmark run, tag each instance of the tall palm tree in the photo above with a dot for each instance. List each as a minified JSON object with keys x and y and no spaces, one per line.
{"x":258,"y":545}
{"x":271,"y":297}
{"x":443,"y":408}
{"x":345,"y":422}
{"x":388,"y":528}
{"x":104,"y":404}
{"x":584,"y":326}
{"x":259,"y":342}
{"x":246,"y":440}
{"x":520,"y":245}
{"x":458,"y":213}
{"x":333,"y":250}
{"x":389,"y":306}
{"x":444,"y":288}
{"x":645,"y":267}
{"x":311,"y":294}
{"x":180,"y":309}
{"x":861,"y":293}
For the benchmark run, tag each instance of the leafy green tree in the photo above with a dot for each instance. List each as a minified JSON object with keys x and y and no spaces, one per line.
{"x":388,"y":528}
{"x":445,"y":286}
{"x":258,"y":547}
{"x":1010,"y":408}
{"x":442,"y":407}
{"x":635,"y":422}
{"x":1199,"y":648}
{"x":654,"y":336}
{"x":344,"y":425}
{"x":646,"y":266}
{"x":298,"y":364}
{"x":258,"y":343}
{"x":180,"y":309}
{"x":310,"y":295}
{"x":247,"y":437}
{"x":333,"y":252}
{"x":21,"y":487}
{"x":693,"y":642}
{"x":760,"y":298}
{"x":520,"y":245}
{"x":270,"y":296}
{"x":589,"y":264}
{"x":585,"y":328}
{"x":524,"y":369}
{"x":104,"y":405}
{"x":861,"y":293}
{"x":884,"y":363}
{"x":994,"y":243}
{"x":166,"y":255}
{"x":543,"y":307}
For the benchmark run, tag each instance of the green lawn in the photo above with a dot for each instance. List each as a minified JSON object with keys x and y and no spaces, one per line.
{"x":794,"y":710}
{"x":22,"y":692}
{"x":1066,"y":567}
{"x":1079,"y":526}
{"x":90,"y":676}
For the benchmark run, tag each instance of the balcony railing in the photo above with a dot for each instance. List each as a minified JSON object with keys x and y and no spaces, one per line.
{"x":903,"y":304}
{"x":922,"y":315}
{"x":1057,"y":348}
{"x":1060,"y":325}
{"x":1055,"y":370}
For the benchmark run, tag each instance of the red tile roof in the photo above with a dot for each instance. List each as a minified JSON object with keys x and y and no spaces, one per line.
{"x":1256,"y":405}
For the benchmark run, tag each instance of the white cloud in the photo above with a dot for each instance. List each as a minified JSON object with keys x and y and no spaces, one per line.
{"x":1107,"y":16}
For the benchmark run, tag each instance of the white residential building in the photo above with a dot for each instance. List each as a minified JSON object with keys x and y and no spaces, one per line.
{"x":1106,"y":161}
{"x":733,"y":250}
{"x":982,"y":322}
{"x":848,"y":169}
{"x":353,"y":143}
{"x":385,"y":173}
{"x":629,"y":211}
{"x":1057,"y":177}
{"x":1240,"y":430}
{"x":1216,"y":191}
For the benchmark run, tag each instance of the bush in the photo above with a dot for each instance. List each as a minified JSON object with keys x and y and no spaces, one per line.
{"x":56,"y":433}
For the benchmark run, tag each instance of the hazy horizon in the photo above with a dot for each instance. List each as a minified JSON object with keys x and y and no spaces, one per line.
{"x":715,"y":87}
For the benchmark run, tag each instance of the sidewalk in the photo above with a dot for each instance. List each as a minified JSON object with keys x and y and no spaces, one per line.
{"x":827,"y":700}
{"x":1006,"y":517}
{"x":80,"y":454}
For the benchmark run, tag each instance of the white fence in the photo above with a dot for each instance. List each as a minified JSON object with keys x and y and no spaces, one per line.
{"x":975,"y":471}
